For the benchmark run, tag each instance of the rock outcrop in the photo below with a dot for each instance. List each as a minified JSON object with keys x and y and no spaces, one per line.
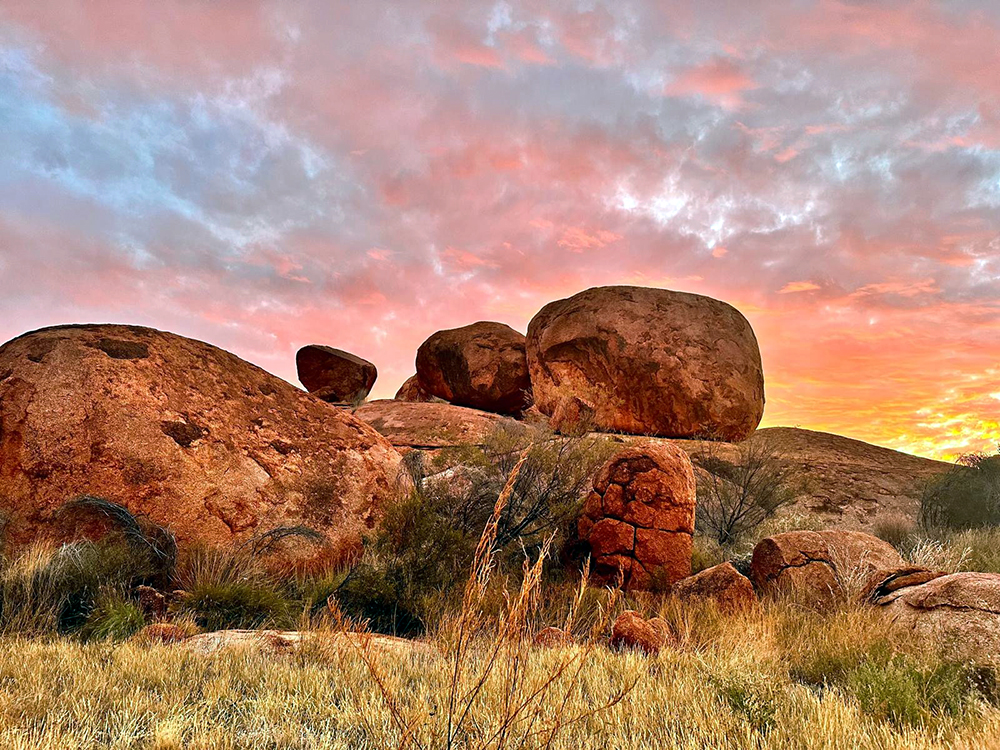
{"x":722,"y":584}
{"x":482,"y":366}
{"x":287,"y":642}
{"x":639,"y":519}
{"x":334,"y":375}
{"x":958,"y":614}
{"x":184,"y":433}
{"x":633,"y":631}
{"x":647,"y":361}
{"x":821,"y":568}
{"x":408,"y":425}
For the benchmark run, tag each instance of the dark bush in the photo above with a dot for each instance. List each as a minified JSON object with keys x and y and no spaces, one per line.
{"x":965,"y":497}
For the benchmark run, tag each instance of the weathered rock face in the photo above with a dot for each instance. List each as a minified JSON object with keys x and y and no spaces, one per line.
{"x":639,"y":519}
{"x":480,"y":365}
{"x":648,"y":362}
{"x":183,"y":432}
{"x":820,"y":568}
{"x":722,"y":584}
{"x":411,"y":390}
{"x":958,"y":613}
{"x":632,"y":631}
{"x":334,"y":375}
{"x":409,"y":425}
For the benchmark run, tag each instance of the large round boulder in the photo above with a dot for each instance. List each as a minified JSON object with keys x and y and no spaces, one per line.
{"x":639,"y":519}
{"x":334,"y":375}
{"x":821,"y":568}
{"x":958,"y":614}
{"x":482,"y":366}
{"x":181,"y":432}
{"x":647,"y":362}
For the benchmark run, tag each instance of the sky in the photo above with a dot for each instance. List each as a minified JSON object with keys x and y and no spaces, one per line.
{"x":265,"y":175}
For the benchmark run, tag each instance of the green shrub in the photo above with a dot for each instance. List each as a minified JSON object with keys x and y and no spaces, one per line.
{"x":895,"y":529}
{"x":113,"y":617}
{"x":752,"y":700}
{"x":417,"y":560}
{"x":45,"y":589}
{"x":899,"y":689}
{"x":240,"y":604}
{"x":965,"y":497}
{"x":741,"y":490}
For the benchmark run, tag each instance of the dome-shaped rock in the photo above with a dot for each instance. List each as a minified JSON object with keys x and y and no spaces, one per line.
{"x":334,"y":375}
{"x":482,"y":366}
{"x":184,"y":433}
{"x":647,"y":362}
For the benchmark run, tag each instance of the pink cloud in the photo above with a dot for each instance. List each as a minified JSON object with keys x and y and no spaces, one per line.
{"x":719,"y":80}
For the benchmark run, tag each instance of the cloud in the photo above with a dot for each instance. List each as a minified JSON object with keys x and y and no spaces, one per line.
{"x":264,"y":175}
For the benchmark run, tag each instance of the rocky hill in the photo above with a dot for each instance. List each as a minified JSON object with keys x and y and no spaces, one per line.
{"x":850,"y":483}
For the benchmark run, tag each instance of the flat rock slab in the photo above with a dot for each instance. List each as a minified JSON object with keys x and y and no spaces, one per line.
{"x":410,"y":424}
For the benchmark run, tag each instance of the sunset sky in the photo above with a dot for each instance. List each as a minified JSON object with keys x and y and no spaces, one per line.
{"x":360,"y":174}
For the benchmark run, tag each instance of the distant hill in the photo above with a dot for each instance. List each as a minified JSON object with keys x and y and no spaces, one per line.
{"x":851,"y":483}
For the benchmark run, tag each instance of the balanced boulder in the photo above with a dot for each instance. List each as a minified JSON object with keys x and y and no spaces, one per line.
{"x":648,"y":362}
{"x":639,"y":519}
{"x":482,"y":366}
{"x":820,"y":568}
{"x":183,"y":433}
{"x":334,"y":375}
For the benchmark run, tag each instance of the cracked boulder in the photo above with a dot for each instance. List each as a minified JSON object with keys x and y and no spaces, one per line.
{"x":639,"y":519}
{"x":334,"y":375}
{"x":481,"y":366}
{"x":821,"y":568}
{"x":957,"y":613}
{"x":183,"y":433}
{"x":646,"y":362}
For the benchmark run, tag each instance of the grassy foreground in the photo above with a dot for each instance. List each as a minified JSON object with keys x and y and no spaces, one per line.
{"x":772,"y":678}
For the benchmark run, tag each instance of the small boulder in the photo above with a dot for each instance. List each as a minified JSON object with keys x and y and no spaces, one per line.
{"x":411,"y":390}
{"x":552,"y":637}
{"x":482,"y":366}
{"x":632,"y":631}
{"x":647,"y":362}
{"x":957,"y":613}
{"x":721,"y":584}
{"x":820,"y":568}
{"x":334,"y":375}
{"x":639,"y":519}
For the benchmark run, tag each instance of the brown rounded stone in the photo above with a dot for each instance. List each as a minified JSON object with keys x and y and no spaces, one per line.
{"x":334,"y":375}
{"x":957,"y":614}
{"x":480,"y":365}
{"x":632,"y":631}
{"x":552,"y":637}
{"x":721,"y":584}
{"x":647,"y":362}
{"x":185,"y":434}
{"x":411,"y":390}
{"x":408,"y":424}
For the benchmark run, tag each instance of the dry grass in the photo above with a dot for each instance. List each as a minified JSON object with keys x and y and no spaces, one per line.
{"x":744,"y":681}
